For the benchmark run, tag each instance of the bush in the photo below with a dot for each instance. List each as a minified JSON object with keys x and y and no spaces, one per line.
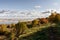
{"x":20,"y":28}
{"x":35,"y":22}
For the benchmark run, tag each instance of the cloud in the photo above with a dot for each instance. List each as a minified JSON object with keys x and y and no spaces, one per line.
{"x":38,"y":6}
{"x":58,"y":10}
{"x":54,"y":10}
{"x":51,"y":9}
{"x":22,"y":15}
{"x":56,"y":4}
{"x":3,"y":11}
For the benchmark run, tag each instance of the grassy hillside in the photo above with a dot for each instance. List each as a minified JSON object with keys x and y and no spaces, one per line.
{"x":38,"y":29}
{"x":48,"y":33}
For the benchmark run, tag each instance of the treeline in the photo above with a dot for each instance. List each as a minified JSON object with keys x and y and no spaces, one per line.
{"x":13,"y":31}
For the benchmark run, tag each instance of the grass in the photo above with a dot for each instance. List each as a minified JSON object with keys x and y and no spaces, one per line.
{"x":35,"y":29}
{"x":45,"y":32}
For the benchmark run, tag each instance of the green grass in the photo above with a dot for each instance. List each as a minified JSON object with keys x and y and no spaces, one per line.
{"x":34,"y":29}
{"x":43,"y":33}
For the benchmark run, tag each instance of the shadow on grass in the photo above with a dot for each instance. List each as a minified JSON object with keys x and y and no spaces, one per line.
{"x":51,"y":33}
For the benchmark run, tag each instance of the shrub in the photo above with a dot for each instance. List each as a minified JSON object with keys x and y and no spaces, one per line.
{"x":20,"y":28}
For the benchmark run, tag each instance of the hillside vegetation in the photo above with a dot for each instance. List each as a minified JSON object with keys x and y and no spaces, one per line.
{"x":38,"y":29}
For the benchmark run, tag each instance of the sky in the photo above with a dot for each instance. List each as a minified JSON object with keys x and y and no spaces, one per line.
{"x":40,"y":5}
{"x":26,"y":9}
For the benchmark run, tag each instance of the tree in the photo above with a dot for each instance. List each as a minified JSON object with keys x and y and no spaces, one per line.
{"x":12,"y":25}
{"x":4,"y":27}
{"x":35,"y":23}
{"x":20,"y":28}
{"x":52,"y":17}
{"x":57,"y":18}
{"x":43,"y":20}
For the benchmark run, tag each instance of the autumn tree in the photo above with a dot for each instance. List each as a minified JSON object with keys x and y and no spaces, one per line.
{"x":4,"y":27}
{"x":12,"y":25}
{"x":35,"y":23}
{"x":52,"y":17}
{"x":57,"y":18}
{"x":43,"y":20}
